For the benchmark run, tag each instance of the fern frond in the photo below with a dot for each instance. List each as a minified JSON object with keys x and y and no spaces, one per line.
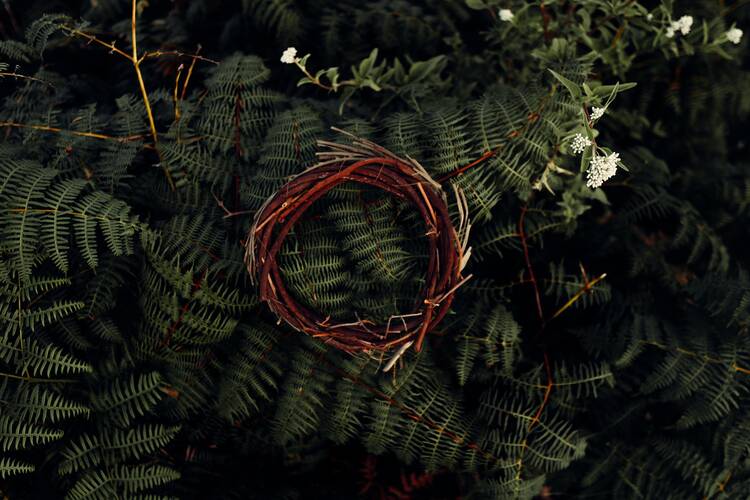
{"x":82,"y":454}
{"x":256,"y":368}
{"x":39,"y":32}
{"x":39,"y":405}
{"x":279,"y":16}
{"x":15,"y":50}
{"x":139,"y":441}
{"x":238,"y":111}
{"x":299,"y":407}
{"x":40,"y":210}
{"x":11,"y":467}
{"x":16,"y":434}
{"x":127,"y":399}
{"x":41,"y":360}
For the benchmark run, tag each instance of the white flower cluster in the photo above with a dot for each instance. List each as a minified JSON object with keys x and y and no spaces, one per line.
{"x":289,"y":56}
{"x":579,"y":144}
{"x":505,"y":15}
{"x":734,"y":35}
{"x":683,"y":25}
{"x":600,"y":169}
{"x":597,"y":113}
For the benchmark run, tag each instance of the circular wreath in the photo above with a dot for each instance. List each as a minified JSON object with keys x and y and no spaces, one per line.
{"x":366,"y":163}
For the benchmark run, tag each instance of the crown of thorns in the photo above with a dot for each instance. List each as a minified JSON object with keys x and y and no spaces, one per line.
{"x":362,"y":162}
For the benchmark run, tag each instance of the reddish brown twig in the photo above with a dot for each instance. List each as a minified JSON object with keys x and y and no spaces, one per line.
{"x":529,"y":268}
{"x":459,"y":171}
{"x":546,"y":18}
{"x":547,"y":392}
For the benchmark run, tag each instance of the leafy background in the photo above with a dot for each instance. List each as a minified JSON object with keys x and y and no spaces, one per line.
{"x":136,"y":362}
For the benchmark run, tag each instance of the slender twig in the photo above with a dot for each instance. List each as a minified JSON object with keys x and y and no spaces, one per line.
{"x":704,"y":357}
{"x":24,"y":77}
{"x":587,"y":287}
{"x":176,"y":53}
{"x":175,"y":97}
{"x":546,"y":18}
{"x":547,"y":392}
{"x":137,"y":66}
{"x":228,"y":213}
{"x":92,"y":39}
{"x":459,"y":171}
{"x":529,"y":268}
{"x":189,"y":74}
{"x":94,"y":135}
{"x":33,"y":379}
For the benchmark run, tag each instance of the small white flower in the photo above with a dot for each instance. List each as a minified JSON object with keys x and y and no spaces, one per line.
{"x":289,"y":56}
{"x":650,"y":16}
{"x":683,"y":25}
{"x":600,"y":169}
{"x":597,"y":113}
{"x":579,"y":143}
{"x":505,"y":15}
{"x":734,"y":35}
{"x":685,"y":22}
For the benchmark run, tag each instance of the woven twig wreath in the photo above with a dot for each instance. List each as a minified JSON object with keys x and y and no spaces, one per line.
{"x":367,"y":163}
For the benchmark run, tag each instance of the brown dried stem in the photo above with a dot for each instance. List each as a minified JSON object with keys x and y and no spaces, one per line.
{"x":4,"y":74}
{"x":137,"y":66}
{"x":94,"y":135}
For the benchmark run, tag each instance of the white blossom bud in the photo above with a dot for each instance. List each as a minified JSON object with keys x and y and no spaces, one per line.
{"x":600,"y":169}
{"x":505,"y":15}
{"x":579,"y":144}
{"x":289,"y":56}
{"x":685,"y":24}
{"x":734,"y":35}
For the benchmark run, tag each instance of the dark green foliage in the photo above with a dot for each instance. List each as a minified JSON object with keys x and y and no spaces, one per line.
{"x":136,"y":361}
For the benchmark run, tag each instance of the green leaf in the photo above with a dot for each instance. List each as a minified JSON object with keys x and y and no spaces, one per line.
{"x":573,"y":88}
{"x":606,"y":90}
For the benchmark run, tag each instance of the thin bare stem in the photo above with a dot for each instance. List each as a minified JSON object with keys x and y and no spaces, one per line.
{"x":315,"y":80}
{"x":176,"y":53}
{"x":733,"y":365}
{"x":24,"y":77}
{"x":586,"y":288}
{"x":189,"y":74}
{"x":459,"y":171}
{"x":94,"y":135}
{"x":93,"y":39}
{"x":175,"y":97}
{"x":137,"y":66}
{"x":529,"y":268}
{"x":33,"y":379}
